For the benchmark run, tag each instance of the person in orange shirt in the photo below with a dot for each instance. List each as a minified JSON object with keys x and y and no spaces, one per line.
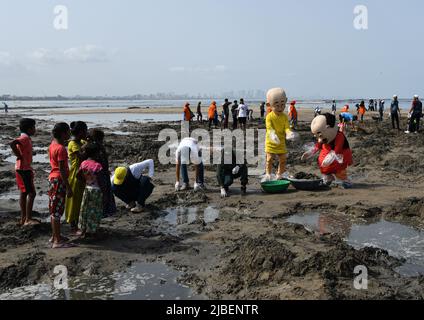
{"x":187,"y":112}
{"x":362,"y":110}
{"x":211,"y":114}
{"x":293,"y":115}
{"x":345,"y":108}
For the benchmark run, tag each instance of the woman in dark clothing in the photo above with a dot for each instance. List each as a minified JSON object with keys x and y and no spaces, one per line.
{"x":109,"y":206}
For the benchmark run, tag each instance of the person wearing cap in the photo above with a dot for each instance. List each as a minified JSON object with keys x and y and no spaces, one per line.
{"x":228,"y":170}
{"x":188,"y":115}
{"x":293,"y":115}
{"x":188,"y":151}
{"x":395,"y":112}
{"x":132,"y":187}
{"x":416,"y":113}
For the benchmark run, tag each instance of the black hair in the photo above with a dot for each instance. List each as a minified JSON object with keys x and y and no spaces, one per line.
{"x":59,"y":129}
{"x":96,"y":135}
{"x":331,"y":120}
{"x":78,"y":127}
{"x":91,"y":150}
{"x":25,"y":124}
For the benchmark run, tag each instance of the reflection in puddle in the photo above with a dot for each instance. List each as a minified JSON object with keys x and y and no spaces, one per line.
{"x":399,"y":240}
{"x":176,"y":217}
{"x":38,"y":158}
{"x":142,"y":281}
{"x":41,"y":203}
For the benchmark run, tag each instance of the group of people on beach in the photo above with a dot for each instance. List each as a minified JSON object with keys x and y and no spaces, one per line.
{"x":82,"y":188}
{"x":80,"y":184}
{"x":414,"y":115}
{"x":238,"y":110}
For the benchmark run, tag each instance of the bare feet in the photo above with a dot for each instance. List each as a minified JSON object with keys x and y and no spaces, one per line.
{"x":62,"y":239}
{"x":32,"y":222}
{"x":76,"y":233}
{"x":137,"y":209}
{"x":62,"y":245}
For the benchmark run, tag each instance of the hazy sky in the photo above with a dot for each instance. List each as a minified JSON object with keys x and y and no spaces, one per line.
{"x":309,"y":47}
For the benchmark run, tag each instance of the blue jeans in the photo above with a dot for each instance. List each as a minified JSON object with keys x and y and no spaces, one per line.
{"x":200,"y":179}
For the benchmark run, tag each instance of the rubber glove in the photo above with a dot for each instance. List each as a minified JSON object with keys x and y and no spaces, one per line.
{"x":223,"y":193}
{"x":274,"y":138}
{"x":266,"y":178}
{"x":292,"y":135}
{"x":310,"y":151}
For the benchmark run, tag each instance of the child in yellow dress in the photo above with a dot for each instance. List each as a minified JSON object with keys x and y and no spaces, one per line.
{"x":73,"y":205}
{"x":277,"y":132}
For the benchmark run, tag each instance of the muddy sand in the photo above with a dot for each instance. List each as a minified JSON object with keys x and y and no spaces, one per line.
{"x":243,"y":247}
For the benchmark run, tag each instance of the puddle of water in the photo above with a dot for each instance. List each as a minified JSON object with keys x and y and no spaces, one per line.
{"x":176,"y":217}
{"x":38,"y":158}
{"x":399,"y":240}
{"x":142,"y":281}
{"x":41,"y":203}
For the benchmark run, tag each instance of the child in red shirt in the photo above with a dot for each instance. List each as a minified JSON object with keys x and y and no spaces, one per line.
{"x":22,"y":149}
{"x":59,"y":187}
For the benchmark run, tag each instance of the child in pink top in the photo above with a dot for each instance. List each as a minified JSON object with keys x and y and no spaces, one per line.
{"x":92,"y":200}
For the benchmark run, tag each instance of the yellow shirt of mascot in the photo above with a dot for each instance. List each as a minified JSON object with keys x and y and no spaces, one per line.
{"x":279,"y":122}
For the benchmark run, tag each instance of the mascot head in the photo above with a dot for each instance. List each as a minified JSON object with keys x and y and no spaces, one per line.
{"x":276,"y":99}
{"x":324,"y":128}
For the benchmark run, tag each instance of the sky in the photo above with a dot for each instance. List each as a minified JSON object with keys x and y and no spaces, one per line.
{"x":310,"y":48}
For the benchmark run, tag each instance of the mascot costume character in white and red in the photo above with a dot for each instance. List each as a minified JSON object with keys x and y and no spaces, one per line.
{"x":335,"y":155}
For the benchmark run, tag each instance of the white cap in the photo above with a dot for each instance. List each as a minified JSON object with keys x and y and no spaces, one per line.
{"x":395,"y":96}
{"x":416,"y":96}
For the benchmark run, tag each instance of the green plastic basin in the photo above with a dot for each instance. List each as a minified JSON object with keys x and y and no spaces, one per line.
{"x":275,"y":186}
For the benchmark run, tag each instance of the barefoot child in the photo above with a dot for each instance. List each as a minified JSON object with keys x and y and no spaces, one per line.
{"x":22,"y":149}
{"x":59,"y":187}
{"x":73,"y":205}
{"x":96,"y":136}
{"x":277,"y":132}
{"x":92,"y":201}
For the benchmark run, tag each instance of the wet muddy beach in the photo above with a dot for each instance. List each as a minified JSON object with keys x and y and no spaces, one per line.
{"x":295,"y":245}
